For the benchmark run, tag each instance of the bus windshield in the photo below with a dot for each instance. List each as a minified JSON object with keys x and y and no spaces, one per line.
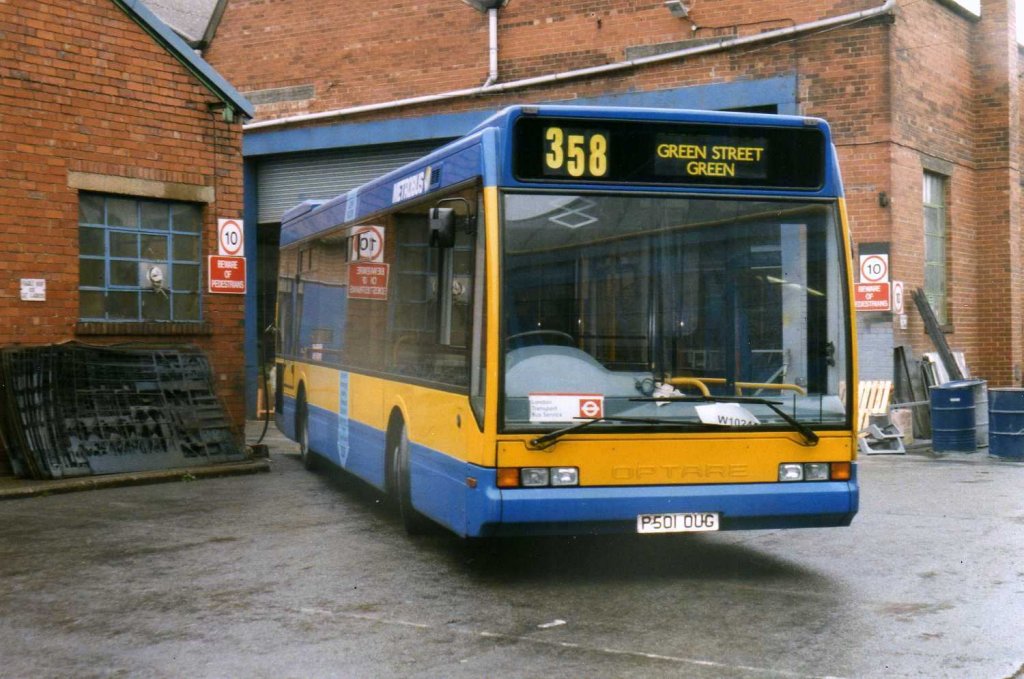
{"x":649,"y":310}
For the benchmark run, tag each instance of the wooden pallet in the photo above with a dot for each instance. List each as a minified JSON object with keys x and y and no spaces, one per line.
{"x":872,"y":399}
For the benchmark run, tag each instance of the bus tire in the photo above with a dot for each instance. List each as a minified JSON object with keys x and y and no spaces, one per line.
{"x":302,"y":433}
{"x":400,"y":484}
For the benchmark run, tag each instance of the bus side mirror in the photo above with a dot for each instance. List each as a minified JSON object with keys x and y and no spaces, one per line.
{"x":442,"y":227}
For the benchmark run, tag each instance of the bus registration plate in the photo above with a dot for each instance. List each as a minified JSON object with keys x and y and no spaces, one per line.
{"x":692,"y":522}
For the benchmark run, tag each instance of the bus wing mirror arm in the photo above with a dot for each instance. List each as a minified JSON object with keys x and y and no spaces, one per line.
{"x":442,"y":227}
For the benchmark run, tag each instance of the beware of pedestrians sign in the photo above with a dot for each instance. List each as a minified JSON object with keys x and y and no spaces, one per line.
{"x":226,"y":275}
{"x":871,"y":297}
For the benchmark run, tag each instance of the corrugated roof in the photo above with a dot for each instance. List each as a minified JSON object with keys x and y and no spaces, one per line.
{"x":174,"y":44}
{"x":193,"y":20}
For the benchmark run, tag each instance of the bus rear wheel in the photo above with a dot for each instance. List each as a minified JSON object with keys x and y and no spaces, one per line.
{"x":302,"y":434}
{"x":400,"y":483}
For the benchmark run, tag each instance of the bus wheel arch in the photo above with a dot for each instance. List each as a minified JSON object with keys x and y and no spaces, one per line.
{"x":302,"y":427}
{"x":398,"y":478}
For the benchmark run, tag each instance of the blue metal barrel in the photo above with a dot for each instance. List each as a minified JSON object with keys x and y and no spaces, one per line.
{"x":1006,"y":423}
{"x":953,"y":419}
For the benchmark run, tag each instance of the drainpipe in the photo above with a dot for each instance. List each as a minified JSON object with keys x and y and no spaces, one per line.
{"x":490,"y":88}
{"x":492,"y":47}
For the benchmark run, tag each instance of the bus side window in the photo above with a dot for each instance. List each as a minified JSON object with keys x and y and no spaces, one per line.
{"x":286,"y":302}
{"x":414,"y":305}
{"x":433,"y":302}
{"x":322,"y":270}
{"x":458,"y":297}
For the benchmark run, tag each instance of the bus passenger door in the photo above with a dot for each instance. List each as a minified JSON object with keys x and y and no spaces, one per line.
{"x":436,"y":314}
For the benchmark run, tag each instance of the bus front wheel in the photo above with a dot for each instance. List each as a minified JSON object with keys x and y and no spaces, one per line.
{"x":401,"y":485}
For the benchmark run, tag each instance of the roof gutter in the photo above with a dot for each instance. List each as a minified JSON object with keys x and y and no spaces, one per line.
{"x":490,"y":88}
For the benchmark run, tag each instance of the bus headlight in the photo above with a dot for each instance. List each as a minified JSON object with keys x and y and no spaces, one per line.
{"x":537,"y":477}
{"x":814,"y":471}
{"x":533,"y":477}
{"x":565,"y":476}
{"x":791,"y":472}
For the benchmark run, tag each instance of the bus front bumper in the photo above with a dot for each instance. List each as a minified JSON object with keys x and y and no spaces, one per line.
{"x":569,"y":511}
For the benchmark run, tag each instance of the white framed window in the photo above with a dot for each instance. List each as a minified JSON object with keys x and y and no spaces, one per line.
{"x":936,"y":231}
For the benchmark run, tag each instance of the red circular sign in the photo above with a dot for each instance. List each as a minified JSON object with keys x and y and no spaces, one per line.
{"x":229,"y":236}
{"x":874,"y":269}
{"x":369,"y":244}
{"x":590,"y":407}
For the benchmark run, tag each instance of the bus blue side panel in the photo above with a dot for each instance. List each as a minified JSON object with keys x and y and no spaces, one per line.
{"x":346,"y":443}
{"x":439,"y":486}
{"x":285,"y":419}
{"x":323,"y":428}
{"x":366,"y":458}
{"x":614,"y":509}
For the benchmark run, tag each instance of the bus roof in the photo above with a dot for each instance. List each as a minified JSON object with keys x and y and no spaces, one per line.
{"x":489,"y":153}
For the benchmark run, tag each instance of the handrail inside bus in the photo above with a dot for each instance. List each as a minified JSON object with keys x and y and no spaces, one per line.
{"x":701,"y":383}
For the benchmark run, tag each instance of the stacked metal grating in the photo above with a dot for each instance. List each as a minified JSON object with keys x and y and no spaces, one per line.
{"x":73,"y":410}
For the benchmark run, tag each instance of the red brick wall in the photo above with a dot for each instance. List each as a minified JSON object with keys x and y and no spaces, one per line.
{"x":997,"y":191}
{"x":842,"y":73}
{"x":933,"y":117}
{"x":928,"y":86}
{"x":84,"y":89}
{"x":952,"y":109}
{"x":356,"y":53}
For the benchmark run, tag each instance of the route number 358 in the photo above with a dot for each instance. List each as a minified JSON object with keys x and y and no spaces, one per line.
{"x":575,"y":153}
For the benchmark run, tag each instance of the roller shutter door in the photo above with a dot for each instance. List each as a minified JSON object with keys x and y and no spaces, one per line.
{"x":285,"y":181}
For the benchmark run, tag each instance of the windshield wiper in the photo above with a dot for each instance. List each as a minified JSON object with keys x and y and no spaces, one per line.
{"x":810,"y":438}
{"x":549,"y":439}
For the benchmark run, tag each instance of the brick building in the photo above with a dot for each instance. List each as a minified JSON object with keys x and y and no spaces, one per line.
{"x":120,"y":149}
{"x":922,"y":96}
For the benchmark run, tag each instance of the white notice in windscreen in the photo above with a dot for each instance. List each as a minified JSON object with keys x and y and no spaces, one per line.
{"x":728,"y":414}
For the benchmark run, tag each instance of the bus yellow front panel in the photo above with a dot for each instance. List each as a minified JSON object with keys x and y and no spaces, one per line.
{"x":655,"y":460}
{"x":440,"y":421}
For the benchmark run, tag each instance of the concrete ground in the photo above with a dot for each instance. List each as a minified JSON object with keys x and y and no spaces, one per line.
{"x":307,"y":575}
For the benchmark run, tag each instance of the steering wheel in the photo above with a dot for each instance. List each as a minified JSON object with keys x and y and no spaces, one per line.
{"x":564,"y":336}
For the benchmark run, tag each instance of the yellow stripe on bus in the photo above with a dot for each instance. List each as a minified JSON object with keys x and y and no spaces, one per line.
{"x":439,"y":420}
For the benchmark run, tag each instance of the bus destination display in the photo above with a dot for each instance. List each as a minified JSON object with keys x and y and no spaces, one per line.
{"x":668,"y":153}
{"x":696,"y":156}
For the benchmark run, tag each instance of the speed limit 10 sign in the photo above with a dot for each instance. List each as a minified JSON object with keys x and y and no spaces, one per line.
{"x":230,"y":237}
{"x":874,"y":268}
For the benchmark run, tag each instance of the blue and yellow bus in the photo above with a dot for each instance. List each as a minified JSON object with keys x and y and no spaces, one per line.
{"x":582,"y":319}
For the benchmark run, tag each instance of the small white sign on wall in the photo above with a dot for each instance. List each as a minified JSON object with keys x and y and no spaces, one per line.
{"x":33,"y":289}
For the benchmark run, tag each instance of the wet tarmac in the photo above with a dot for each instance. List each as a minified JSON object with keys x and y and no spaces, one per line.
{"x":297,"y":574}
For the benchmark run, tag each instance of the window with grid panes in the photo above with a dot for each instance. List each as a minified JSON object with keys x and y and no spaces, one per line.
{"x":121,"y":241}
{"x":935,"y":235}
